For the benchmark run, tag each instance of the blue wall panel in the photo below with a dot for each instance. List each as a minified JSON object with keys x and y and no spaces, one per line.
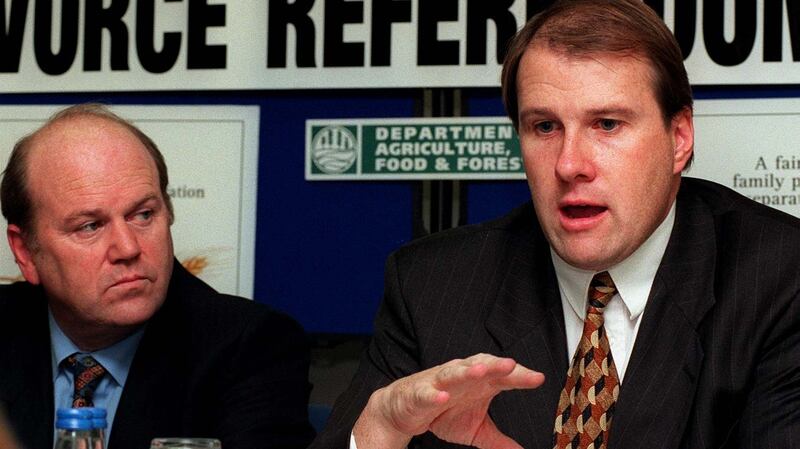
{"x":321,"y":246}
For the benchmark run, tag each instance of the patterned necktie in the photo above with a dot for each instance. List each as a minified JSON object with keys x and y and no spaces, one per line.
{"x":586,"y":405}
{"x":87,"y":373}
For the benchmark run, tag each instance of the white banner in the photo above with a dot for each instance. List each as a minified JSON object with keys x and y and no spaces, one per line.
{"x":151,"y":45}
{"x":751,"y":146}
{"x":212,"y":156}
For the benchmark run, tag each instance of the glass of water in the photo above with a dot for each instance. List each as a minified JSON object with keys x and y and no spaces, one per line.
{"x":185,"y":443}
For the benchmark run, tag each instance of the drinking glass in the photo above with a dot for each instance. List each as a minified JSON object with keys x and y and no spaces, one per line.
{"x":185,"y":443}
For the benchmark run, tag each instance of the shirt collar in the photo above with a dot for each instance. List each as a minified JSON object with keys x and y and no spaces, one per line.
{"x":116,"y":359}
{"x":633,"y":276}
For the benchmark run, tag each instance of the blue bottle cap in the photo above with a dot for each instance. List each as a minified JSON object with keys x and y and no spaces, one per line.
{"x":98,"y":417}
{"x":74,"y":424}
{"x":74,"y":413}
{"x":99,"y":423}
{"x":74,"y":418}
{"x":97,"y":412}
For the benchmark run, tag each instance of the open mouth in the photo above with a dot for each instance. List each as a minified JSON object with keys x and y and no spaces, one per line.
{"x":582,"y":211}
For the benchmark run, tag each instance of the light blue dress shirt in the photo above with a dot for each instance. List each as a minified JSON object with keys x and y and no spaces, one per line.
{"x":116,"y":359}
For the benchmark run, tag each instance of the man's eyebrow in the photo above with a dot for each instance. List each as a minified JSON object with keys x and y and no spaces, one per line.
{"x":535,"y":112}
{"x":612,"y":110}
{"x":150,"y":197}
{"x":83,"y":214}
{"x":595,"y":112}
{"x":147,"y":199}
{"x":96,"y":212}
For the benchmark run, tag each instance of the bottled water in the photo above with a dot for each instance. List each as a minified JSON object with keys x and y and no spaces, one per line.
{"x":73,"y":428}
{"x":99,"y":424}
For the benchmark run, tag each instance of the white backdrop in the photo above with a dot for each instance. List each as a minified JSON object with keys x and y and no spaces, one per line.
{"x":233,"y":41}
{"x":752,"y":146}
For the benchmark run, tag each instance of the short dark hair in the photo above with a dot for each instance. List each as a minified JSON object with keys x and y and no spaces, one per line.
{"x":15,"y":198}
{"x":586,"y":27}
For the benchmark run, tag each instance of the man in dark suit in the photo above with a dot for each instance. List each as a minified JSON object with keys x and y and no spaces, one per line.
{"x":88,"y":224}
{"x":656,"y":311}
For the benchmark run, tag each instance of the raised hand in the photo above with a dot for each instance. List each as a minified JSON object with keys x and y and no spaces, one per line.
{"x":451,"y":400}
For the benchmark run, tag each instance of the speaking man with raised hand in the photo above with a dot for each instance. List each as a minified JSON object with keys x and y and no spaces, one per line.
{"x":625,"y":307}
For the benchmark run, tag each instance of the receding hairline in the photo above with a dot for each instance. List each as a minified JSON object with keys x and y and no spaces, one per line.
{"x":45,"y":143}
{"x":94,"y":114}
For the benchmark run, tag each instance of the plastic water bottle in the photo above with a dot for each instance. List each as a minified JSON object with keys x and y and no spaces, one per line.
{"x":73,"y":428}
{"x":99,"y":424}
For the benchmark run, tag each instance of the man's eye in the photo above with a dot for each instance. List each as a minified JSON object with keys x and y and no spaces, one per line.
{"x":608,"y":124}
{"x":144,"y":215}
{"x":545,"y":127}
{"x":89,"y":227}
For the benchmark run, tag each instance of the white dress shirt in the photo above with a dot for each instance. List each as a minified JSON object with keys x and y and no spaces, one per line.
{"x":633,"y":278}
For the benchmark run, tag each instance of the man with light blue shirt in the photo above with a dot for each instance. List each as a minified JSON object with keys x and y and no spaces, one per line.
{"x":108,"y":318}
{"x":624,"y":307}
{"x":115,"y":359}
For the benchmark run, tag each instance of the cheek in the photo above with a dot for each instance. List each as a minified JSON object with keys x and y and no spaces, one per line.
{"x":157,"y":239}
{"x":538,"y":167}
{"x":70,"y":276}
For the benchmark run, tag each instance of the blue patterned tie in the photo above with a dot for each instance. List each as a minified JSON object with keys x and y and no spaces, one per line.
{"x":88,"y":374}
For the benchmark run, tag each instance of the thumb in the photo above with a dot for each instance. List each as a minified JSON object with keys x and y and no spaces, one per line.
{"x":490,"y":437}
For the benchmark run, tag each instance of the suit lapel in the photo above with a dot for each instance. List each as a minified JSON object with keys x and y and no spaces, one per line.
{"x":662,"y":372}
{"x":147,"y":395}
{"x":526,"y":321}
{"x":152,"y":392}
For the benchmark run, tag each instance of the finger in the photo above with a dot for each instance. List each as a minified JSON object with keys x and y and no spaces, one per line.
{"x":426,"y":396}
{"x":484,"y":369}
{"x":520,"y":378}
{"x":504,"y":372}
{"x":497,"y":366}
{"x":457,"y":373}
{"x":491,"y":360}
{"x":410,"y":406}
{"x":479,"y":367}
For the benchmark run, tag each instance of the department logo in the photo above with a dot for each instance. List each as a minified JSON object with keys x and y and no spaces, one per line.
{"x":334,"y":149}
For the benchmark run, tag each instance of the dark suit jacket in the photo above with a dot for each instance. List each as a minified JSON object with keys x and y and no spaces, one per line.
{"x":716,"y":363}
{"x":208,"y":365}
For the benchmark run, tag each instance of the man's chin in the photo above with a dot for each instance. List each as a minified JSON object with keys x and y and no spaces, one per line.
{"x":133,"y":308}
{"x":584,"y":256}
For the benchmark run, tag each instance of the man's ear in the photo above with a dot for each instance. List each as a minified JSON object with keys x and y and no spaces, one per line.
{"x":23,"y":254}
{"x":682,"y":130}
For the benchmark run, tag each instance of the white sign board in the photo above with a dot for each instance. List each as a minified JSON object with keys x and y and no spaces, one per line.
{"x":752,"y":146}
{"x":212,"y":157}
{"x":55,"y":46}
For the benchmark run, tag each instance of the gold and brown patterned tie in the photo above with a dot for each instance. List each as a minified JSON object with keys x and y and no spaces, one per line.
{"x":586,"y":405}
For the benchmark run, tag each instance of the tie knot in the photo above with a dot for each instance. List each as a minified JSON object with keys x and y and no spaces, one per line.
{"x":601,"y":290}
{"x":88,"y":373}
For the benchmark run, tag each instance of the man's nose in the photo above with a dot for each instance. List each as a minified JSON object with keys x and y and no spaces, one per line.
{"x":575,"y":161}
{"x":124,"y":244}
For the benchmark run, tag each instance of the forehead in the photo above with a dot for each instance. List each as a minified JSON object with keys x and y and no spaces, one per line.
{"x":584,"y":78}
{"x":86,"y":154}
